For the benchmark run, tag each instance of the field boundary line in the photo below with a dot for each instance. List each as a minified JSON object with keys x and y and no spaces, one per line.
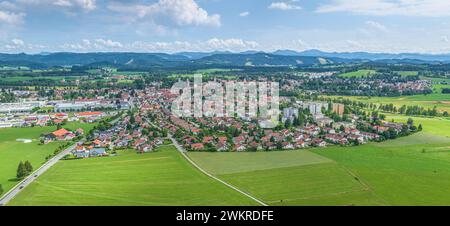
{"x":183,"y":153}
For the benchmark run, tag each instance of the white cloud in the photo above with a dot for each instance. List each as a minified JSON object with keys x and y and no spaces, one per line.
{"x":18,"y":42}
{"x":244,"y":14}
{"x":376,"y":26}
{"x":284,"y":6}
{"x":300,"y":45}
{"x":11,"y":18}
{"x":177,"y":12}
{"x":18,"y":45}
{"x":86,"y":5}
{"x":95,"y":45}
{"x":429,"y":8}
{"x":232,"y":44}
{"x":7,"y":5}
{"x":106,"y":43}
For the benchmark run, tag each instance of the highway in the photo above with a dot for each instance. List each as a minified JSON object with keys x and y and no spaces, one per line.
{"x":28,"y":180}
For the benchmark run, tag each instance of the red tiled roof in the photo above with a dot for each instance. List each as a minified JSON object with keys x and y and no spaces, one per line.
{"x":92,"y":113}
{"x":61,"y":132}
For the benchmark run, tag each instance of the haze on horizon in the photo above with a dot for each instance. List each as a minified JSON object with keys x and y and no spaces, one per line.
{"x":390,"y":26}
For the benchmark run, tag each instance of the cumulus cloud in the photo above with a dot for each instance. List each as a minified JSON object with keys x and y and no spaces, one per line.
{"x":18,"y":45}
{"x":94,"y":45}
{"x":72,"y":5}
{"x":7,"y":5}
{"x":429,"y":8}
{"x":18,"y":42}
{"x":175,"y":12}
{"x":377,"y":26}
{"x":244,"y":14}
{"x":284,"y":6}
{"x":84,"y":4}
{"x":213,"y":44}
{"x":11,"y":18}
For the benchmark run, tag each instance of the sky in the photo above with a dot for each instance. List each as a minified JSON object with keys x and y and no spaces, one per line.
{"x":391,"y":26}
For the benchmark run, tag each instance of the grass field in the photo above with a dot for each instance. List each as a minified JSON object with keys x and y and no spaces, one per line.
{"x":441,"y":101}
{"x":161,"y":178}
{"x":413,"y":170}
{"x":407,"y":73}
{"x":230,"y":162}
{"x":357,"y":74}
{"x":12,"y":151}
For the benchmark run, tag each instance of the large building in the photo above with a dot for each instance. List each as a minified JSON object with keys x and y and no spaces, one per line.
{"x":338,"y":109}
{"x":289,"y":113}
{"x":315,"y":108}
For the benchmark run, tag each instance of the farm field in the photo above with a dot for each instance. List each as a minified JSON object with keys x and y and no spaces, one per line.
{"x":357,"y":74}
{"x":160,"y":178}
{"x":231,"y":162}
{"x":413,"y":170}
{"x":441,"y":101}
{"x":12,"y":151}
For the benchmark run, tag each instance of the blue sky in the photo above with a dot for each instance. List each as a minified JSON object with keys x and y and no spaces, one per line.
{"x":236,"y":25}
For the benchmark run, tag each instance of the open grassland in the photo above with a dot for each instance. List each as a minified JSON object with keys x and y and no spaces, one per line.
{"x":12,"y":151}
{"x":160,"y":178}
{"x":315,"y":184}
{"x":441,"y":101}
{"x":438,"y":126}
{"x":232,"y":162}
{"x":413,"y":170}
{"x":357,"y":74}
{"x":408,"y":73}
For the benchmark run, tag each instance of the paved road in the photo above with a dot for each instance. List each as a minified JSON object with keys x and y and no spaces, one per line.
{"x":183,"y":152}
{"x":28,"y":180}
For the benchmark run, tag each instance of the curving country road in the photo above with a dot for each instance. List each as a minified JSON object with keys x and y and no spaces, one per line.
{"x":28,"y":180}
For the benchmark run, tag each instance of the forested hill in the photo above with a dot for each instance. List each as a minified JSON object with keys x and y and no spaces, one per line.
{"x":162,"y":60}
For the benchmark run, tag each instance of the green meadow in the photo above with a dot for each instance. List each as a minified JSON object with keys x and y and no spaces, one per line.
{"x":357,"y":74}
{"x":12,"y":151}
{"x":441,"y":101}
{"x":160,"y":178}
{"x":413,"y":170}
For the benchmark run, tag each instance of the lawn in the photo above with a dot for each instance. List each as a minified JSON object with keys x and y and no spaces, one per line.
{"x":12,"y":151}
{"x":160,"y":178}
{"x":413,"y":170}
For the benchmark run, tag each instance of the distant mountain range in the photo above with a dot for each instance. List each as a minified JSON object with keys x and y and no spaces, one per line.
{"x":368,"y":56}
{"x":280,"y":58}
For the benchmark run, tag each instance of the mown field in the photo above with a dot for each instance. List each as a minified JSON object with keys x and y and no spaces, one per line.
{"x":357,"y":74}
{"x":12,"y":151}
{"x":413,"y":170}
{"x":160,"y":178}
{"x":437,"y":98}
{"x":441,"y":101}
